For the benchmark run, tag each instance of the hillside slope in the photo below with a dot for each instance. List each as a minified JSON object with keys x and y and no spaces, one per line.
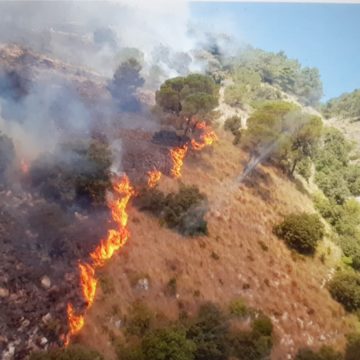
{"x":239,"y":258}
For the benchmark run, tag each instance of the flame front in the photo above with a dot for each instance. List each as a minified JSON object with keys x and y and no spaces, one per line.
{"x":116,"y":238}
{"x":207,"y":136}
{"x":88,"y":282}
{"x":153,"y":178}
{"x":177,"y":156}
{"x":76,"y":322}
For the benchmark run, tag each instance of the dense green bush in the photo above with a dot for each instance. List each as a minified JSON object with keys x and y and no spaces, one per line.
{"x":345,"y":288}
{"x":74,"y":352}
{"x":239,"y":309}
{"x":284,"y":134}
{"x":325,"y":353}
{"x":304,"y":167}
{"x":255,"y":344}
{"x":335,"y":175}
{"x":346,"y":106}
{"x":140,"y":319}
{"x":279,"y":71}
{"x":207,"y":336}
{"x":232,"y":124}
{"x":183,"y":211}
{"x":168,"y":343}
{"x":301,"y":232}
{"x":352,"y":351}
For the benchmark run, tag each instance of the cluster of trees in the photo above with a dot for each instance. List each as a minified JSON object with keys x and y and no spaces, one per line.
{"x":282,"y":132}
{"x":75,"y":172}
{"x":183,"y":211}
{"x":301,"y":232}
{"x":124,"y":84}
{"x":254,"y":66}
{"x":208,"y":336}
{"x":344,"y":106}
{"x":336,"y":176}
{"x":339,"y":179}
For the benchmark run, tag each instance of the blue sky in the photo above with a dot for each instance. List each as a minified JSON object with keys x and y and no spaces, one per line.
{"x":323,"y":35}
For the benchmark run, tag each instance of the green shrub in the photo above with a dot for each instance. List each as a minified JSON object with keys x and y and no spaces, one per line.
{"x":183,"y":211}
{"x":238,"y":308}
{"x":345,"y":288}
{"x":171,"y":287}
{"x":169,"y":343}
{"x":255,"y":344}
{"x":304,"y":168}
{"x":301,"y":232}
{"x":208,"y":331}
{"x":351,"y":248}
{"x":73,"y":352}
{"x":325,"y":353}
{"x":232,"y":124}
{"x":150,"y":199}
{"x":140,"y":319}
{"x":352,"y":351}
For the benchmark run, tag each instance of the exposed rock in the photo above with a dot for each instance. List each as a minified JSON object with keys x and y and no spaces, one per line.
{"x":45,"y":282}
{"x":143,"y":284}
{"x":46,"y":318}
{"x":4,"y":292}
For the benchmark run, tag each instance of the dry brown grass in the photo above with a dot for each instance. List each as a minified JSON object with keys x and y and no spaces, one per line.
{"x":284,"y":286}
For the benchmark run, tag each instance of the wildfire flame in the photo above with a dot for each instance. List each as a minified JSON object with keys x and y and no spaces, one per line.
{"x":177,"y":155}
{"x":88,"y":282}
{"x":207,"y":136}
{"x":76,"y":322}
{"x":116,"y":238}
{"x":153,"y":178}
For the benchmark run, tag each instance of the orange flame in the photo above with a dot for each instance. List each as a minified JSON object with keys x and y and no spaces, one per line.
{"x":88,"y":282}
{"x":76,"y":322}
{"x":153,"y":178}
{"x":207,"y":137}
{"x":177,"y":155}
{"x":116,"y":238}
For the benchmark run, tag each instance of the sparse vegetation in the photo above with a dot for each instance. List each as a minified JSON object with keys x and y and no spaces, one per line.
{"x":74,"y":352}
{"x":325,"y":353}
{"x":301,"y":232}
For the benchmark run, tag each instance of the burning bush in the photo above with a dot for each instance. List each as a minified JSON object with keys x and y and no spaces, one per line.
{"x":301,"y":232}
{"x":183,"y":211}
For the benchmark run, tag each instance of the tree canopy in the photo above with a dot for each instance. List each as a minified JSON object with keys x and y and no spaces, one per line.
{"x":189,"y":95}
